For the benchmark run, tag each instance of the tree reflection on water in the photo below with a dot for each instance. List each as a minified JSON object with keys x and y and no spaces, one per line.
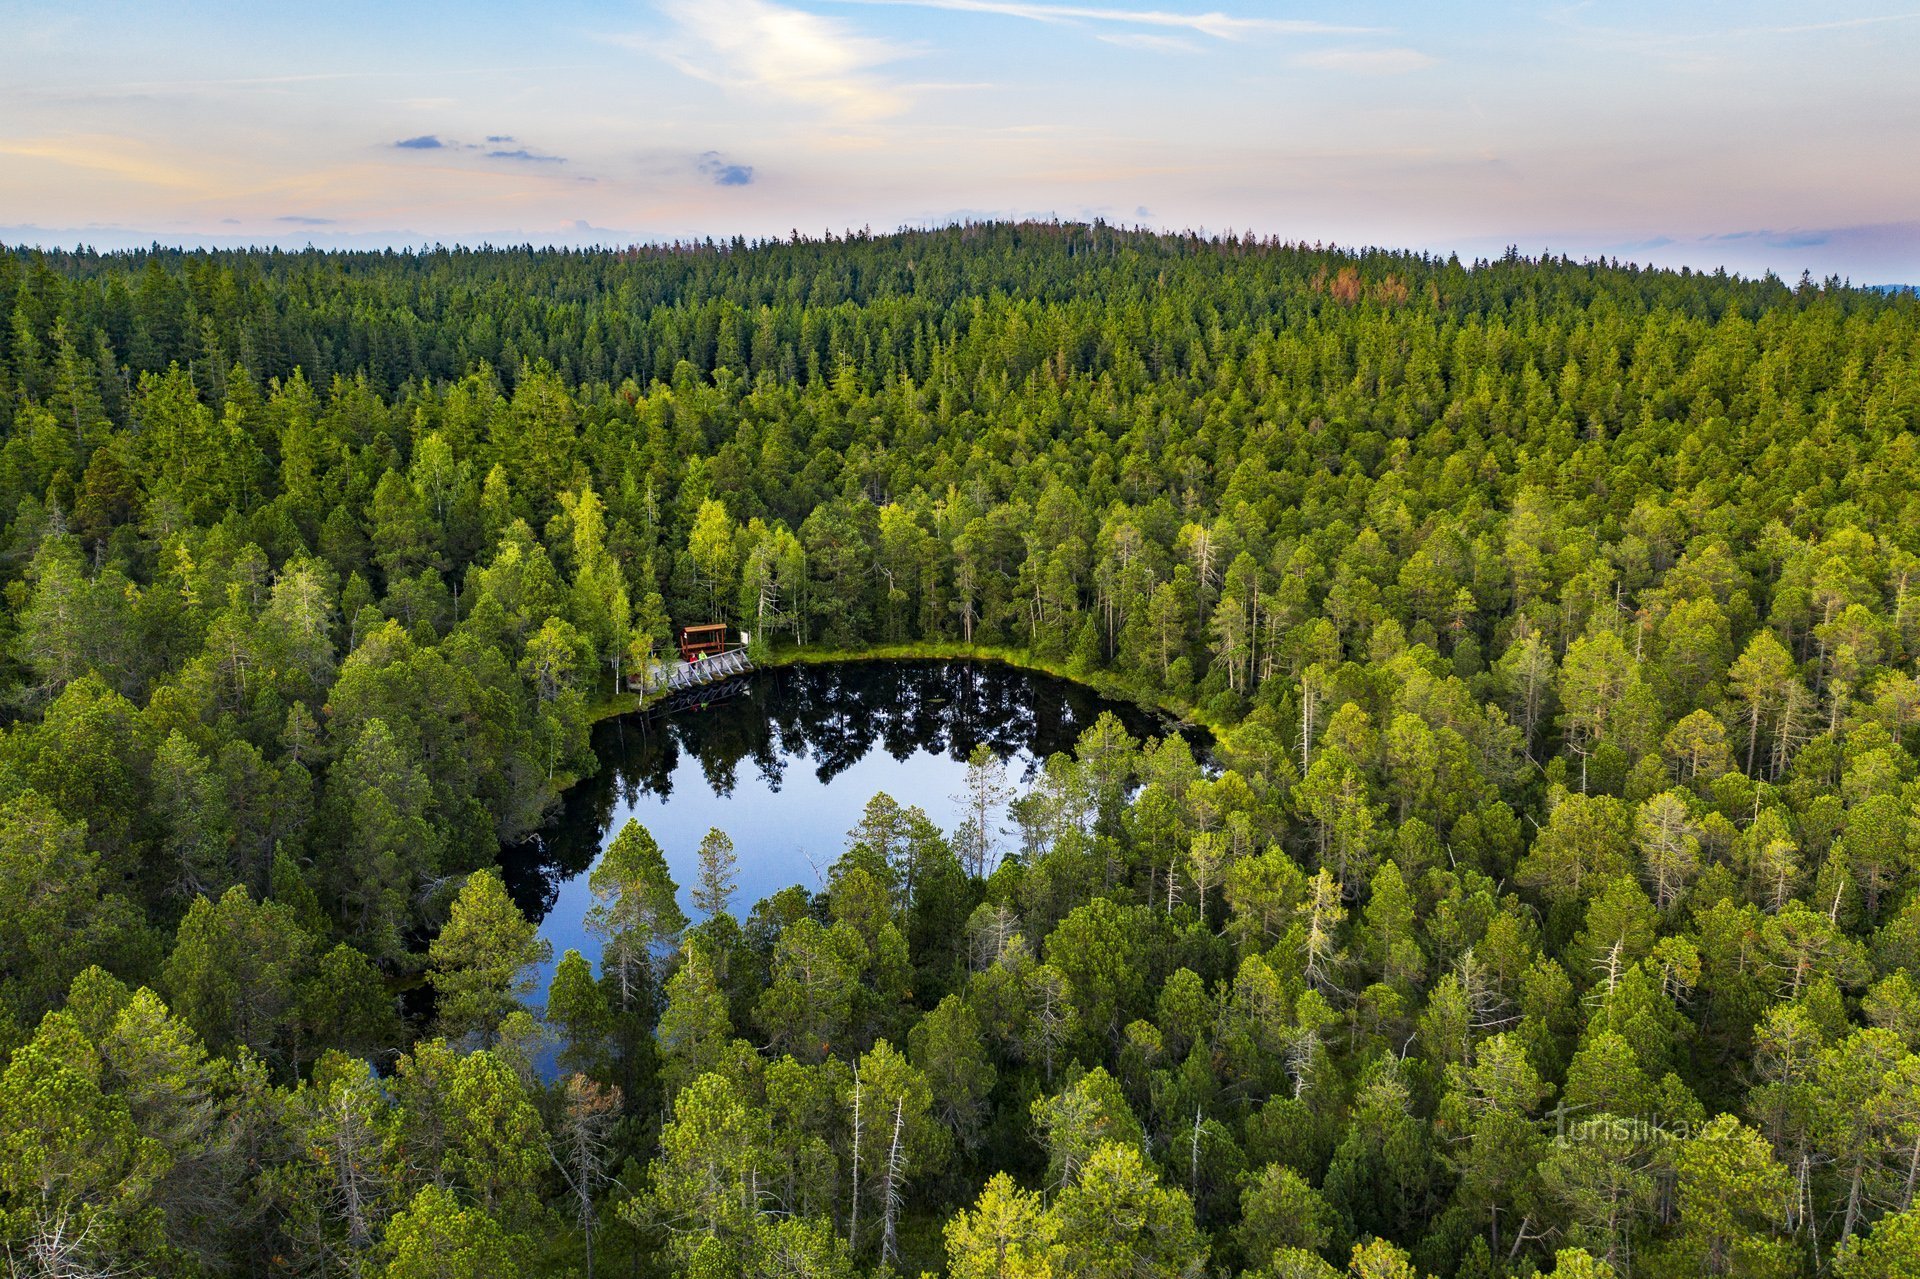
{"x":925,"y":716}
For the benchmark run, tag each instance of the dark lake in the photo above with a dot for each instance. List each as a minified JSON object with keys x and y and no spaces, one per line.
{"x":786,"y":762}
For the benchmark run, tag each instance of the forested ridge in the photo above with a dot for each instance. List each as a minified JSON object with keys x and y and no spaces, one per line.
{"x":1552,"y":904}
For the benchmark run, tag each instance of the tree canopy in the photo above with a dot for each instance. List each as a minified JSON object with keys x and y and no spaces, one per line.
{"x":1549,"y":905}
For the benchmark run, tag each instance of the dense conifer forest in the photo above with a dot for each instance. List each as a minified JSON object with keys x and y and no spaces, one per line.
{"x":1551,"y":905}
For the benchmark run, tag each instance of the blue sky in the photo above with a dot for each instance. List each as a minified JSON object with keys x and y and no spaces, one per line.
{"x":1757,"y":135}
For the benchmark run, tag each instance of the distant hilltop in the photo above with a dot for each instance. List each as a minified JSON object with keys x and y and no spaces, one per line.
{"x":1893,"y":288}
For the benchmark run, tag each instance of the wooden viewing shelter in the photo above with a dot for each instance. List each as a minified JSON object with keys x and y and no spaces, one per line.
{"x":709,"y":640}
{"x":709,"y":654}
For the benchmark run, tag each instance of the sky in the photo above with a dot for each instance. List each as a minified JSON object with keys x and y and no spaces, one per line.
{"x":1756,"y":136}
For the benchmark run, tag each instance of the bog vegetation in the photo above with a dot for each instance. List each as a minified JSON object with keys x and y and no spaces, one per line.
{"x":1555,"y":905}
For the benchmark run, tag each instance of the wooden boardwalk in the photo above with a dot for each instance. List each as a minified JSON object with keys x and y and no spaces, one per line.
{"x":678,"y":677}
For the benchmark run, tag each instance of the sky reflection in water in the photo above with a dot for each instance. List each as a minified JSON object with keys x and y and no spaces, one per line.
{"x":785,"y":767}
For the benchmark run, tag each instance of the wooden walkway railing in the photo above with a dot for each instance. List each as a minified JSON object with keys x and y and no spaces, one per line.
{"x":678,"y":676}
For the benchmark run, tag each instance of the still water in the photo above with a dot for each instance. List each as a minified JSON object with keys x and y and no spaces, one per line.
{"x":785,"y":764}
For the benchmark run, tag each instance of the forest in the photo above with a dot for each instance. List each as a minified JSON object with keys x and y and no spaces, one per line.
{"x":1549,"y":905}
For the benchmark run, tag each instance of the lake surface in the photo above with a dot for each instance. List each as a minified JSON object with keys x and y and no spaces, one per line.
{"x":786,"y":763}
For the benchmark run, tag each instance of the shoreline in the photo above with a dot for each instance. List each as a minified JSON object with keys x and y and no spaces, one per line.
{"x":1179,"y":714}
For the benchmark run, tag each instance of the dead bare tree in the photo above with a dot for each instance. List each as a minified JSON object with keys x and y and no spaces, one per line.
{"x":895,"y":1176}
{"x":579,"y":1148}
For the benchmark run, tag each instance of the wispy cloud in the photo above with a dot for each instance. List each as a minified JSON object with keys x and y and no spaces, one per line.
{"x":491,"y":149}
{"x":1150,"y":42}
{"x":112,"y":89}
{"x":1365,"y":61}
{"x":771,"y":51}
{"x":1221,"y":26}
{"x":123,"y":158}
{"x":1836,"y":24}
{"x":295,"y":219}
{"x":1704,"y":47}
{"x":723,"y":172}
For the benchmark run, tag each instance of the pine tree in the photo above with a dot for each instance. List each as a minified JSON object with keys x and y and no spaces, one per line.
{"x":713,"y":893}
{"x":634,"y":913}
{"x":478,"y":964}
